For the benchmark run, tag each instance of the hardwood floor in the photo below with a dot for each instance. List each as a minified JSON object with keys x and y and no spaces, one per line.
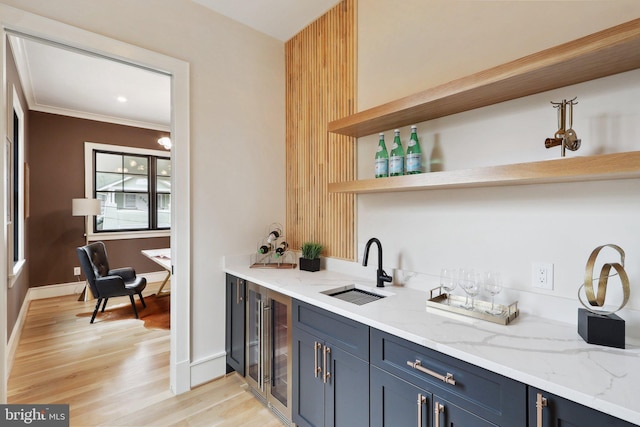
{"x":116,"y":373}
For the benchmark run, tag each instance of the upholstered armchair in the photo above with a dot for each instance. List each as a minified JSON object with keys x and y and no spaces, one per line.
{"x":106,"y":283}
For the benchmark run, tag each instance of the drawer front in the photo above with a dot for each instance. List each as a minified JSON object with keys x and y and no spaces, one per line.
{"x":349,"y":335}
{"x":489,"y":395}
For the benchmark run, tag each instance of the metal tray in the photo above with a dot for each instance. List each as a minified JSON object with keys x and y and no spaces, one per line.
{"x":438,"y":301}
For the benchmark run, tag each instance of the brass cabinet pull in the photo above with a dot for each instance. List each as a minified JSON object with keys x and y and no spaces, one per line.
{"x":541,"y":403}
{"x":327,"y":374}
{"x":438,"y":408}
{"x":421,"y":401}
{"x":446,"y":378}
{"x":316,"y":367}
{"x":238,"y":298}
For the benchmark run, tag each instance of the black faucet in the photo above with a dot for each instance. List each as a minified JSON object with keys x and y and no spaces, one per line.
{"x":381,"y":276}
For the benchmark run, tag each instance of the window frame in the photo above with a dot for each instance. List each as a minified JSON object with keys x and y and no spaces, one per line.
{"x":16,"y":191}
{"x":89,"y":149}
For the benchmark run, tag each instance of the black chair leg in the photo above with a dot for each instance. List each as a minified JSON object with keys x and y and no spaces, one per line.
{"x":142,"y":300}
{"x":96,"y":310}
{"x":105,"y":304}
{"x":133,"y":304}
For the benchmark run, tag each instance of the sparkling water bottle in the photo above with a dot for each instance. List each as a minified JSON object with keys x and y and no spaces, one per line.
{"x":396,"y":159}
{"x":382,"y":159}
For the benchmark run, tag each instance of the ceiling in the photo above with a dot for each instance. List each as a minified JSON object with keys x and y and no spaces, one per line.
{"x":61,"y":80}
{"x":280,"y":19}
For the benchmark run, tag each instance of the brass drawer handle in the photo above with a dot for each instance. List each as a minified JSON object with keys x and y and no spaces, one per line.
{"x":316,"y":367}
{"x":327,"y":374}
{"x":438,"y":408}
{"x":421,"y":401}
{"x":446,"y":378}
{"x":541,"y":403}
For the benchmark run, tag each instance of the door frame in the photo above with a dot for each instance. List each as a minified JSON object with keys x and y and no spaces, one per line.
{"x":19,"y":21}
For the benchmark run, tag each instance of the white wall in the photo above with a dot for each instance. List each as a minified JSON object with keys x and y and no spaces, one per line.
{"x":408,"y":46}
{"x":237,"y":135}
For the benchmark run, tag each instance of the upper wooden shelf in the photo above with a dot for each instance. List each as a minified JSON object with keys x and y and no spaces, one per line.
{"x":611,"y":51}
{"x":569,"y":169}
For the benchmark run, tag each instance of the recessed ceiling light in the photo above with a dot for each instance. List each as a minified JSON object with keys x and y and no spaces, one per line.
{"x":122,"y":99}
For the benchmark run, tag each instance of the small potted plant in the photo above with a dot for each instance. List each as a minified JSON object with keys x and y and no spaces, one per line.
{"x":310,"y":260}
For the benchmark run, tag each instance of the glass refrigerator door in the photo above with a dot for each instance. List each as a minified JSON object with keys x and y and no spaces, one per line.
{"x":254,"y":335}
{"x":279,"y":351}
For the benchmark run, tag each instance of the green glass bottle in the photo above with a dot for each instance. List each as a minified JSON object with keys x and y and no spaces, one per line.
{"x":414,"y":154}
{"x":382,"y":159}
{"x":396,"y":159}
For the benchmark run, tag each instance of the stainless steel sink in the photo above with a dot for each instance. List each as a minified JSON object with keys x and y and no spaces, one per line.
{"x":357,"y":294}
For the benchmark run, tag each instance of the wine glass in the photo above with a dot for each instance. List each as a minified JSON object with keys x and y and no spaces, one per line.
{"x":448,"y":281}
{"x":471,"y":286}
{"x":493,"y":286}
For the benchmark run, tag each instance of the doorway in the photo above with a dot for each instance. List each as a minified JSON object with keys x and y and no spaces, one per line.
{"x":47,"y":30}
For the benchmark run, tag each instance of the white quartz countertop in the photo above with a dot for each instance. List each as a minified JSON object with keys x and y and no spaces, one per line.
{"x":539,"y":352}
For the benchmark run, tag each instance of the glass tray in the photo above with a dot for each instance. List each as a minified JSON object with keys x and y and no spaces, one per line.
{"x":438,"y":301}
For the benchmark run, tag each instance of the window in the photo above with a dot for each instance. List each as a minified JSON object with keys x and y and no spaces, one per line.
{"x":16,"y":183}
{"x":133,"y":186}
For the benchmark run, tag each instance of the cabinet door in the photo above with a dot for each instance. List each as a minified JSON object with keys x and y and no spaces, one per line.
{"x":308,"y":386}
{"x":559,"y":412}
{"x":235,"y":323}
{"x":446,"y":414}
{"x":395,"y":402}
{"x":346,"y":388}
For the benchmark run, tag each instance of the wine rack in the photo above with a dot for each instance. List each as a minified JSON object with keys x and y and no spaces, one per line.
{"x":272,"y":251}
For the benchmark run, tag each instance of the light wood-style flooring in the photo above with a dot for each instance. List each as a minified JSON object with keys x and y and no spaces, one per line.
{"x":116,"y":373}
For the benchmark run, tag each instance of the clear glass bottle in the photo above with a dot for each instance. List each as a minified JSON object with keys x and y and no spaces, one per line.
{"x":414,"y":154}
{"x":382,"y":159}
{"x":396,"y":159}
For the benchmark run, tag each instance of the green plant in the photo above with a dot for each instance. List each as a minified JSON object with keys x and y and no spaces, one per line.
{"x":311,"y":250}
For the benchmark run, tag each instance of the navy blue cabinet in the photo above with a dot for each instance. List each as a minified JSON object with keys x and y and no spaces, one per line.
{"x":235,"y":324}
{"x":548,"y":410}
{"x":460,"y":393}
{"x":395,"y":402}
{"x":330,"y":369}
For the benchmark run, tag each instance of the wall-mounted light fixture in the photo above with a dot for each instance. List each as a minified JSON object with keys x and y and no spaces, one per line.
{"x":165,"y":141}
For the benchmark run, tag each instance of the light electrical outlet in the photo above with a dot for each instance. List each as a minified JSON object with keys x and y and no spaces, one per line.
{"x":542,"y":275}
{"x":76,"y":271}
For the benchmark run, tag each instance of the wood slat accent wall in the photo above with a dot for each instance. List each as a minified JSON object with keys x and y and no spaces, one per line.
{"x":321,"y":87}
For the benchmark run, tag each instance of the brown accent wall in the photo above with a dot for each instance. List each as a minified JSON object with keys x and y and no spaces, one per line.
{"x":56,"y":147}
{"x":321,"y":87}
{"x":16,"y":294}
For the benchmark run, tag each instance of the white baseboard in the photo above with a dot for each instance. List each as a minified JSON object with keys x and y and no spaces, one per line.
{"x":75,"y":288}
{"x":14,"y":339}
{"x":208,"y":369}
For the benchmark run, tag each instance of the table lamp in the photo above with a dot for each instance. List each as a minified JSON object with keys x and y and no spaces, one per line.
{"x":86,"y":208}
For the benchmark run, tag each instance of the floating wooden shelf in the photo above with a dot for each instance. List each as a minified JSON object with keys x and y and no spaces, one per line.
{"x":611,"y":51}
{"x":571,"y":169}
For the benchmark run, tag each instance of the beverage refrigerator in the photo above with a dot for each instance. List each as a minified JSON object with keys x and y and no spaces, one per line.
{"x":268,"y":349}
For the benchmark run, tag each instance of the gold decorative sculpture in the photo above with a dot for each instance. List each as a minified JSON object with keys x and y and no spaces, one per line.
{"x":599,"y":326}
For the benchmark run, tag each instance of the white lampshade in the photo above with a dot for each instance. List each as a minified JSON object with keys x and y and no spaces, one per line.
{"x":85,"y":207}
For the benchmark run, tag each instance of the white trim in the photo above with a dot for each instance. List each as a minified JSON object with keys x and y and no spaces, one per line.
{"x":16,"y":333}
{"x":75,"y":288}
{"x":90,"y":146}
{"x":208,"y":368}
{"x":99,"y":117}
{"x":30,"y":24}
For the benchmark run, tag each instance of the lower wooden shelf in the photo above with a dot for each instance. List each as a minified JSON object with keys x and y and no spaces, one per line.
{"x":571,"y":169}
